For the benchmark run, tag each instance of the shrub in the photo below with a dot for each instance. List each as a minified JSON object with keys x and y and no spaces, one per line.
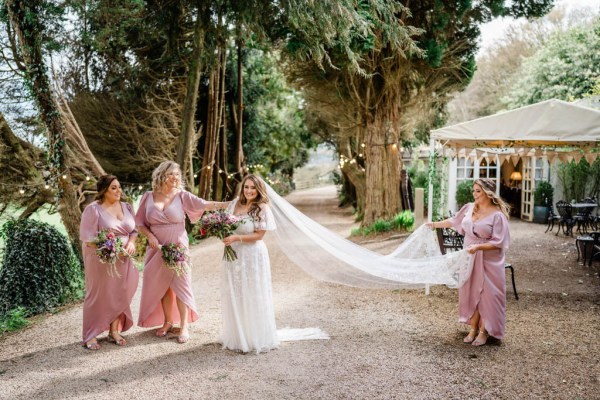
{"x":39,"y":268}
{"x":381,"y":225}
{"x":13,"y":320}
{"x":405,"y":220}
{"x":464,"y":193}
{"x":402,"y":221}
{"x":544,"y":194}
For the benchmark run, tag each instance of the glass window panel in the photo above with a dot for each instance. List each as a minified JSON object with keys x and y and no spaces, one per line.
{"x":461,"y":162}
{"x":460,"y":174}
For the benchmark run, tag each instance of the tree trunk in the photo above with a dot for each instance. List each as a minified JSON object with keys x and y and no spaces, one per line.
{"x":214,"y":122}
{"x":25,"y":20}
{"x":187,"y":134}
{"x":382,"y":170}
{"x":239,"y":151}
{"x":355,"y":174}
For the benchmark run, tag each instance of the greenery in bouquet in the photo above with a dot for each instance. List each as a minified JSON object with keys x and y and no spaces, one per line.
{"x":220,"y":224}
{"x":108,"y":249}
{"x":176,"y":258}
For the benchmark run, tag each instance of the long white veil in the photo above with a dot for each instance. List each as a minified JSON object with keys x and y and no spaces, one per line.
{"x":328,"y":257}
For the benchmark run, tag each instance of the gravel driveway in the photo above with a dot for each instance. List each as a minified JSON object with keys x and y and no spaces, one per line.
{"x":384,"y":344}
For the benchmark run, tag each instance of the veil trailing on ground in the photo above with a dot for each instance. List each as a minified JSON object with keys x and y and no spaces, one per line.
{"x":328,"y":257}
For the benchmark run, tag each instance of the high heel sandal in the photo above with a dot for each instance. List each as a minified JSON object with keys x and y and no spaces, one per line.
{"x":162,"y":332}
{"x":478,"y":342}
{"x":471,"y":336}
{"x":112,"y":339}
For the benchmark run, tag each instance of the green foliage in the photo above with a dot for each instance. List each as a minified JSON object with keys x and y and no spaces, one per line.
{"x":403,"y":221}
{"x":419,"y":175}
{"x":565,"y":68}
{"x":464,"y":193}
{"x":274,"y":131}
{"x":39,"y":268}
{"x":13,"y":320}
{"x":544,"y":194}
{"x":579,"y":180}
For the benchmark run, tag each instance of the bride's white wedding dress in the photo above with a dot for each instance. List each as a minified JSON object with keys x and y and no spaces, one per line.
{"x":248,"y":319}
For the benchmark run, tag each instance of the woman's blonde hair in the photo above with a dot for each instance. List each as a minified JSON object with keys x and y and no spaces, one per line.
{"x":489,"y":188}
{"x":159,"y":175}
{"x":261,"y":195}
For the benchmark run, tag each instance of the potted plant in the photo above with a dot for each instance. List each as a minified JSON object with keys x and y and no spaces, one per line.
{"x":542,"y":201}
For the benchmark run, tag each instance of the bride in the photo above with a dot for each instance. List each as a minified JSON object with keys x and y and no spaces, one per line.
{"x":247,"y":307}
{"x":246,"y":295}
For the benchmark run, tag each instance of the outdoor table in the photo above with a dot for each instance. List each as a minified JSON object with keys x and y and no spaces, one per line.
{"x":583,"y":205}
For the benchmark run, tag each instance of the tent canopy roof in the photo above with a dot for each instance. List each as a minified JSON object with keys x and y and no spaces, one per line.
{"x":548,"y":123}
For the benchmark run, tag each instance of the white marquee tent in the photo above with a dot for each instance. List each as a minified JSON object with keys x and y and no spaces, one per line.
{"x":552,"y":128}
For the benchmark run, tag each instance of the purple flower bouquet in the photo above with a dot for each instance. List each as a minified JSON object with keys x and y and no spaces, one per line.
{"x":176,"y":258}
{"x":108,"y":248}
{"x":220,"y":224}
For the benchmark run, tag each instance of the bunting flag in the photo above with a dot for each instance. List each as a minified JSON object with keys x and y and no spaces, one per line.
{"x":591,"y":157}
{"x":514,"y":158}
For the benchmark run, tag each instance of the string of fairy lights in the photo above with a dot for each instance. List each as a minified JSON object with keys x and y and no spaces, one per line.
{"x":130,"y":188}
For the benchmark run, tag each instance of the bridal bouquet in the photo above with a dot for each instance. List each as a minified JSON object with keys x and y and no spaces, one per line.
{"x":221,"y":224}
{"x":176,"y":258}
{"x":108,"y":248}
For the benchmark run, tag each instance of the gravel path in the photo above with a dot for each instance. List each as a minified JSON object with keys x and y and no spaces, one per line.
{"x":385,"y":344}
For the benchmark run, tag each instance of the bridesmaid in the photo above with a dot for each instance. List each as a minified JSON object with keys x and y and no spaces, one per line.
{"x":108,"y":298}
{"x":168,"y":299}
{"x":482,"y":299}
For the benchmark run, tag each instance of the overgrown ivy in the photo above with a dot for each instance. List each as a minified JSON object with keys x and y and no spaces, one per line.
{"x":39,"y":271}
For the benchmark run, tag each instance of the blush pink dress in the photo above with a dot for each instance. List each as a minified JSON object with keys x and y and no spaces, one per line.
{"x":168,"y":226}
{"x":107,"y":297}
{"x":486,"y":288}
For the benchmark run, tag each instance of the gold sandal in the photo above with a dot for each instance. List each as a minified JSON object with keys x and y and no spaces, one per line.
{"x":112,"y":339}
{"x":470,"y":336}
{"x":477,"y":342}
{"x":161,"y":332}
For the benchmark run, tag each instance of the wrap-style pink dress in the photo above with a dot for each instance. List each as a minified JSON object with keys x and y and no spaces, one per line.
{"x":486,"y":287}
{"x":107,"y":297}
{"x":168,"y":226}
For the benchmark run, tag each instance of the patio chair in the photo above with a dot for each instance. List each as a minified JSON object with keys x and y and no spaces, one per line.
{"x":596,"y":248}
{"x":566,"y":221}
{"x":584,"y":218}
{"x":552,"y":218}
{"x":450,"y":240}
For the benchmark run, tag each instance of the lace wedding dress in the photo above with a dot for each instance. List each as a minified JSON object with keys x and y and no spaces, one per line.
{"x":248,"y":319}
{"x":246,"y":298}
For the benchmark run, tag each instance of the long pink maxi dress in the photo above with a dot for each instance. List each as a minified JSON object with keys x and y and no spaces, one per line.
{"x":168,"y":226}
{"x":107,"y":297}
{"x":486,"y":288}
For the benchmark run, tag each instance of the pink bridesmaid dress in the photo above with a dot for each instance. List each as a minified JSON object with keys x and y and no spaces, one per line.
{"x":486,"y":288}
{"x":107,"y":297}
{"x":168,"y":226}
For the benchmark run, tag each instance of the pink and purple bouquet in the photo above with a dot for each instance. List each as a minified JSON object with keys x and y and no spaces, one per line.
{"x":108,"y":248}
{"x":176,"y":258}
{"x":220,"y":224}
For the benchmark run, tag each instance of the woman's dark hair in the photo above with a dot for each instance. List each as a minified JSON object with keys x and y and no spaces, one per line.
{"x":102,"y":186}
